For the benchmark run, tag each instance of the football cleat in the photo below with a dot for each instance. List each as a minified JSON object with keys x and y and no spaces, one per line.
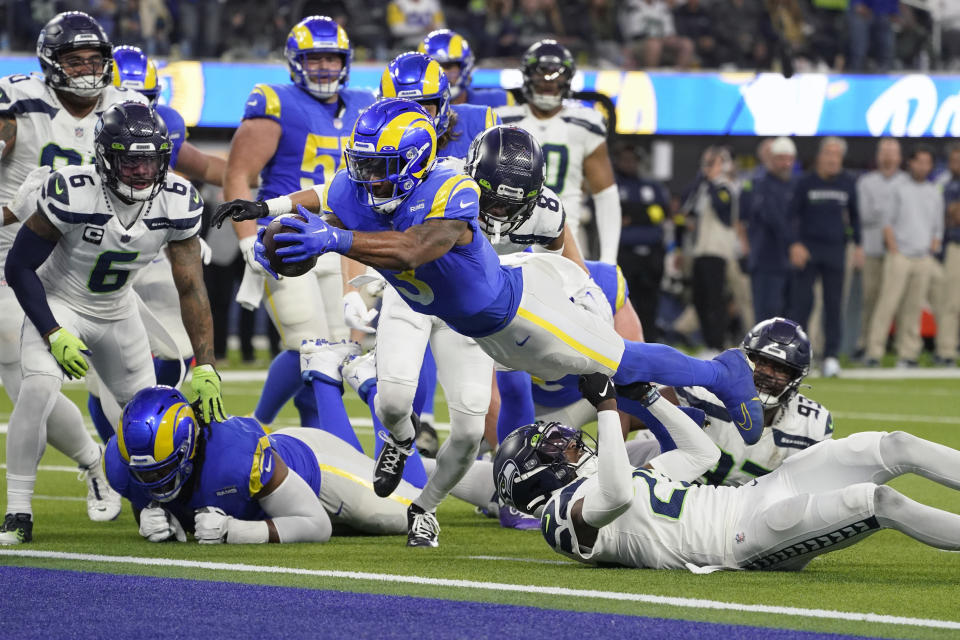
{"x":321,"y":360}
{"x":738,"y":393}
{"x":360,"y":372}
{"x":388,"y":468}
{"x":422,"y":527}
{"x":103,"y":503}
{"x":511,"y":518}
{"x":428,"y":442}
{"x":17,"y":528}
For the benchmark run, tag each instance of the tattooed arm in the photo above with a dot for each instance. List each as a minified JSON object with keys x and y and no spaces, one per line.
{"x":194,"y":303}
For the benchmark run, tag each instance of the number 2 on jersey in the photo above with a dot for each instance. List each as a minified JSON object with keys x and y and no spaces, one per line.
{"x":322,"y":155}
{"x":104,"y":278}
{"x":671,"y":508}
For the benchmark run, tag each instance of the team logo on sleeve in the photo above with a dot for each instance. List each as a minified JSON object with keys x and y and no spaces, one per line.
{"x":93,"y":235}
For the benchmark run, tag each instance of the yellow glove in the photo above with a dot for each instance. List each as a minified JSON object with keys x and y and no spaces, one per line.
{"x":205,"y":382}
{"x":69,"y":350}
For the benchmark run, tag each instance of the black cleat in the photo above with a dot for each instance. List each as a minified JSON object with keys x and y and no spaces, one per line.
{"x":388,"y":468}
{"x":422,"y":527}
{"x":17,"y":529}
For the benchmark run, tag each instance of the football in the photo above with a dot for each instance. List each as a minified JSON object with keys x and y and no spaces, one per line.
{"x":288,"y":269}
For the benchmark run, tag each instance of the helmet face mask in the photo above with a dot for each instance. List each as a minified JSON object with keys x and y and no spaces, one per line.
{"x":548,"y":71}
{"x":133,"y":151}
{"x":75,"y":54}
{"x":780,"y":351}
{"x":158,"y":438}
{"x":307,"y":50}
{"x":536,"y":460}
{"x":451,"y":50}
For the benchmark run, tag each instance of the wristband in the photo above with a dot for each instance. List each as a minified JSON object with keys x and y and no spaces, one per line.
{"x":247,"y":532}
{"x":276,"y":206}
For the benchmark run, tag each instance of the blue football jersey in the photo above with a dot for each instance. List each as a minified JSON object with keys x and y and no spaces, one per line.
{"x":234,"y":462}
{"x":564,"y":391}
{"x":490,"y":97}
{"x":472,"y":120}
{"x":466,"y":287}
{"x":175,"y":127}
{"x":313,"y":134}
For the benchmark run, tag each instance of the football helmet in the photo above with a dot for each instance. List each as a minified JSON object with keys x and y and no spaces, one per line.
{"x":391,"y":150}
{"x":70,"y":31}
{"x":133,"y":70}
{"x":416,"y":76}
{"x":507,"y":163}
{"x":158,"y":438}
{"x":547,"y":61}
{"x":318,"y":34}
{"x":133,"y":151}
{"x":449,"y":47}
{"x":536,"y":460}
{"x":785,"y":346}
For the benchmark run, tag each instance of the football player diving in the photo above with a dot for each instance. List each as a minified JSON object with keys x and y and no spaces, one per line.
{"x":417,"y":225}
{"x":595,"y":507}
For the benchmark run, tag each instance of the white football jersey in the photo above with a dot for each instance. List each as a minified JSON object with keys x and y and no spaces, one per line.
{"x":801,"y":424}
{"x":667,"y":525}
{"x":566,"y":139}
{"x":543,"y":226}
{"x":91,"y":267}
{"x":46,"y":134}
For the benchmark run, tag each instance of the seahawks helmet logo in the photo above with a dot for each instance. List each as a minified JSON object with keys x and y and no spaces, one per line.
{"x":508,"y":474}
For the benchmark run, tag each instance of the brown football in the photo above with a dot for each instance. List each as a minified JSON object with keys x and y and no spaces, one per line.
{"x":288,"y":269}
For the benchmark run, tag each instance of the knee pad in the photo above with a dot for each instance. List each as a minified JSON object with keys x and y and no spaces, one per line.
{"x":465,"y":429}
{"x":394,"y":401}
{"x":786,"y":514}
{"x":471,"y":399}
{"x":860,"y":448}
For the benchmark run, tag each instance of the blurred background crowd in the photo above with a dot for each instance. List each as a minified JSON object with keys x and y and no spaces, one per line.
{"x":839,"y":35}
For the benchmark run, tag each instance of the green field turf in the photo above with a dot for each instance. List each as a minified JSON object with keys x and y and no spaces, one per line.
{"x":888,"y":574}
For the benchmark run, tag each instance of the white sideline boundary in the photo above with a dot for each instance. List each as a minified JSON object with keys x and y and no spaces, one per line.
{"x":689,"y":603}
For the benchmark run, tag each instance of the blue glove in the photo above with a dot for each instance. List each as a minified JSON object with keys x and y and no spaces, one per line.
{"x":259,"y":254}
{"x":313,"y":238}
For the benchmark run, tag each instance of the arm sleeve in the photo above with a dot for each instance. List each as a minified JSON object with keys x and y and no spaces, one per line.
{"x":609,"y":222}
{"x":296,"y":511}
{"x":29,"y":251}
{"x":612,"y":495}
{"x":695,"y":453}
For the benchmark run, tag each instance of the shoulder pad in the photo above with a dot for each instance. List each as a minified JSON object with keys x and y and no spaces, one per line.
{"x":555,"y":523}
{"x":263,"y":102}
{"x":21,"y":94}
{"x":589,"y":119}
{"x":67,"y":197}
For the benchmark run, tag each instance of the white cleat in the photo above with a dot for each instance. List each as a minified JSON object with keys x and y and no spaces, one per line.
{"x":321,"y":360}
{"x":831,"y":367}
{"x":103,"y":503}
{"x":360,"y":372}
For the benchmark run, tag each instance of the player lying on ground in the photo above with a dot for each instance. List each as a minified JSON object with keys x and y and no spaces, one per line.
{"x":596,"y":508}
{"x":231,"y":482}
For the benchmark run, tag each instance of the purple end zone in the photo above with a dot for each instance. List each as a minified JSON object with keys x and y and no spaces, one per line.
{"x":45,"y":603}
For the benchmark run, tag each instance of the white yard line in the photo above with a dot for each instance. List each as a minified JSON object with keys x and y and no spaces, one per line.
{"x":687,"y":603}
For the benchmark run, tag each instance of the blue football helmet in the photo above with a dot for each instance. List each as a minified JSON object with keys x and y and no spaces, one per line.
{"x":507,"y":163}
{"x":536,"y":460}
{"x":133,"y":70}
{"x":391,"y":150}
{"x":449,"y":47}
{"x":785,"y":346}
{"x":418,"y":77}
{"x":318,"y":34}
{"x":67,"y":32}
{"x":547,"y":61}
{"x":133,"y":151}
{"x":158,"y":438}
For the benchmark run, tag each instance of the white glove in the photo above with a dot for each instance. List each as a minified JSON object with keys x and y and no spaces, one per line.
{"x":159,"y":525}
{"x":210,"y":525}
{"x":356,"y":314}
{"x":25,"y":201}
{"x":206,"y":253}
{"x":246,"y":248}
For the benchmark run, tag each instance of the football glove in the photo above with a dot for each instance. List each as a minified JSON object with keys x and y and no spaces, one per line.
{"x":643,"y":392}
{"x":159,"y":525}
{"x":312,"y":238}
{"x":210,"y":525}
{"x":25,"y":201}
{"x":356,"y":314}
{"x":69,"y":350}
{"x":597,"y":388}
{"x":240,"y":210}
{"x":206,"y":252}
{"x":205,"y":382}
{"x":260,"y":255}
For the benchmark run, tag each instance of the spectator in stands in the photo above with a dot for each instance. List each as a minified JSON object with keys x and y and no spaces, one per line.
{"x":740,"y":40}
{"x":827,"y":44}
{"x":871,"y":30}
{"x":712,"y":207}
{"x":645,"y":205}
{"x":876,"y":195}
{"x":694,"y":22}
{"x":410,"y":20}
{"x":948,"y":316}
{"x":912,"y":236}
{"x":823,"y":217}
{"x":764,"y":211}
{"x":601,"y":33}
{"x":533,"y":21}
{"x":648,"y":27}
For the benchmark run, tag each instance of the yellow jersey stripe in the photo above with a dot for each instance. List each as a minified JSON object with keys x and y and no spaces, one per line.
{"x":363,"y":483}
{"x":621,"y":290}
{"x":447,"y":190}
{"x":569,"y":341}
{"x":273,"y":100}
